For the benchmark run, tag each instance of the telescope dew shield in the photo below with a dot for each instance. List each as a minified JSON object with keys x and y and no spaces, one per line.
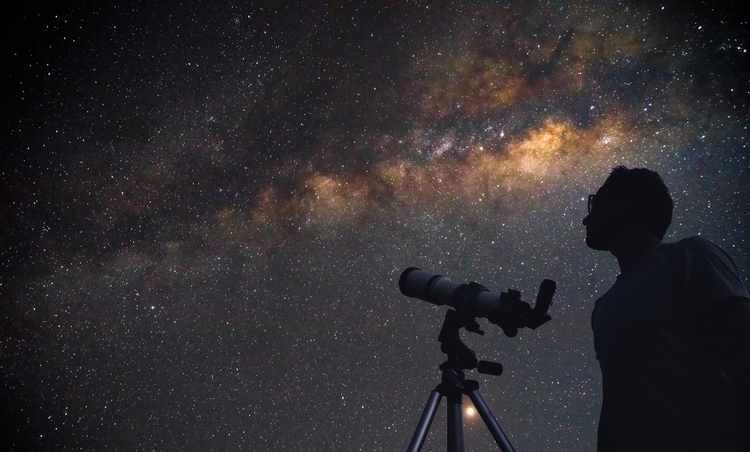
{"x":436,"y":289}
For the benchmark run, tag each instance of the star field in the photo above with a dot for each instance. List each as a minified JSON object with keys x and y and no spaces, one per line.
{"x":207,"y":206}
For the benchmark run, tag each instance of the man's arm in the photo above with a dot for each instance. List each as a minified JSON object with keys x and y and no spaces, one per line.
{"x":729,"y":327}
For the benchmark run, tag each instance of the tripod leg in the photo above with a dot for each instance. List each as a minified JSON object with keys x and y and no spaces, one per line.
{"x":455,"y":422}
{"x":490,"y":421}
{"x":420,"y":434}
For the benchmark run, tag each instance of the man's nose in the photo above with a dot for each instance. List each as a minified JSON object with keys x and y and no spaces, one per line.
{"x":586,"y":220}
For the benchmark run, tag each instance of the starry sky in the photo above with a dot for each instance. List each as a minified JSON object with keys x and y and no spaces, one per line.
{"x":206,"y":207}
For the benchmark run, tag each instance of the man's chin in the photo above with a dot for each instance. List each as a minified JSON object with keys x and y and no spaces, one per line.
{"x":594,"y":244}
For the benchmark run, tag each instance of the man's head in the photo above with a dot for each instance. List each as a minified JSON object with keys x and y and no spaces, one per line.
{"x":631,"y":201}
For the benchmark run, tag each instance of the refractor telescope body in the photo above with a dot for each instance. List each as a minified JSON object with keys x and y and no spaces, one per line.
{"x":506,"y":310}
{"x":440,"y":290}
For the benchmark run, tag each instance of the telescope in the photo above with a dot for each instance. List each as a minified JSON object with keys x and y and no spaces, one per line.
{"x":505,"y":310}
{"x":469,"y":301}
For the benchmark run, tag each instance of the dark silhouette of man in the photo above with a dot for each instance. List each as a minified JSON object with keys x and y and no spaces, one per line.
{"x":672,"y":335}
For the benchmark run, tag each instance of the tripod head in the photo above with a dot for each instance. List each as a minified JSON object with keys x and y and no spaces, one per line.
{"x":460,"y":356}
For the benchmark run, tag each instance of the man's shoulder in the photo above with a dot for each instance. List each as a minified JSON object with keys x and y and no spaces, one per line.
{"x":695,"y":247}
{"x":696,"y":242}
{"x":701,"y":249}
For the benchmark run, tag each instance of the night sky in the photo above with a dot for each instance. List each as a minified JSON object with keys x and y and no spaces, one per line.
{"x":206,"y":207}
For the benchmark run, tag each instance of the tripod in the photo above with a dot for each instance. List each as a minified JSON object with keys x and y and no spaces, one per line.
{"x":454,"y":385}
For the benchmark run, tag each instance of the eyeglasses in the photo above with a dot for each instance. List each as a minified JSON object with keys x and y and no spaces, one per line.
{"x":591,"y":203}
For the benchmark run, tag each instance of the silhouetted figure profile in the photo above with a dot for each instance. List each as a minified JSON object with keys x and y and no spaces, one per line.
{"x":672,"y":335}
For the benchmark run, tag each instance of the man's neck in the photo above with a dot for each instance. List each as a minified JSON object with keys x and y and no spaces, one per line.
{"x":634,"y":250}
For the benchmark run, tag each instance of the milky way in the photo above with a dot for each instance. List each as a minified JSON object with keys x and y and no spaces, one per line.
{"x":206,"y":208}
